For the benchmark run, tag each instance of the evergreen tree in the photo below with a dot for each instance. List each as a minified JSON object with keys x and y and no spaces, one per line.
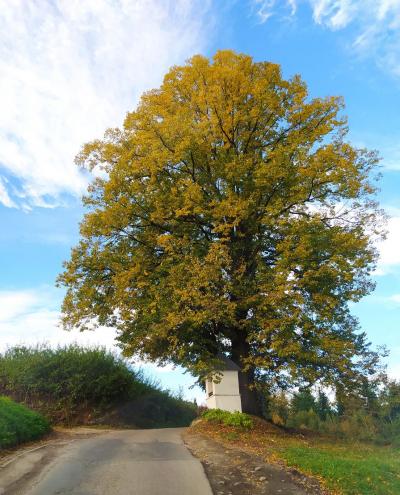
{"x":323,"y":407}
{"x":303,"y":400}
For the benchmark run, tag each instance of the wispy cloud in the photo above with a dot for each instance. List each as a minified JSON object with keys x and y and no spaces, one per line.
{"x":389,"y":248}
{"x":5,"y":199}
{"x":265,"y":9}
{"x":375,"y":23}
{"x":336,"y":14}
{"x":391,"y":157}
{"x":71,"y":69}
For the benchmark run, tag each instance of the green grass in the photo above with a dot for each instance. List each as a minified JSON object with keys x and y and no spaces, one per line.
{"x":350,"y":470}
{"x":19,"y":424}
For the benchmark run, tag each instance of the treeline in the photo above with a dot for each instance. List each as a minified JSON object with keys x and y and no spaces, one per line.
{"x":371,"y":414}
{"x":88,"y":385}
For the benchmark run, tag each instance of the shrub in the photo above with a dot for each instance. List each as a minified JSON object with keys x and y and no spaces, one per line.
{"x":73,"y":385}
{"x":67,"y":379}
{"x":278,"y":408}
{"x":19,"y":424}
{"x":155,"y":409}
{"x":236,"y":419}
{"x":305,"y":420}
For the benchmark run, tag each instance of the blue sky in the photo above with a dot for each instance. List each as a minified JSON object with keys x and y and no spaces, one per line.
{"x":69,"y":70}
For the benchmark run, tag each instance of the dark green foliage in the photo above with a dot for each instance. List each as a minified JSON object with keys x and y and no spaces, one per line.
{"x":390,"y":399}
{"x":303,"y":401}
{"x":155,"y":409}
{"x":322,"y":406}
{"x":75,"y":385}
{"x":236,"y":419}
{"x":371,"y":413}
{"x":19,"y":424}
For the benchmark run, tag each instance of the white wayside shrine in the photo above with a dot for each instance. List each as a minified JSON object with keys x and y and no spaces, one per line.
{"x":225,"y":394}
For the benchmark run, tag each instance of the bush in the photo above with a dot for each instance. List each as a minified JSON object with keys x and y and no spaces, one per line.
{"x":19,"y":424}
{"x":75,"y":385}
{"x":277,"y":408}
{"x":372,"y":414}
{"x":63,"y":381}
{"x":156,"y":409}
{"x":389,"y":432}
{"x":305,"y":420}
{"x":236,"y":419}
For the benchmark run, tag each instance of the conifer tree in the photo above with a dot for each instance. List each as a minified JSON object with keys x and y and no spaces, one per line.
{"x":322,"y":406}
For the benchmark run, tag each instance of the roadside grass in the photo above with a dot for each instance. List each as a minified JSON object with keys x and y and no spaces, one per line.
{"x":19,"y":424}
{"x":348,"y":469}
{"x":342,"y":467}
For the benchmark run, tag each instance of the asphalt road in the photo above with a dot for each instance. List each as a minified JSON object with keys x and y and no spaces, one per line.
{"x":126,"y":462}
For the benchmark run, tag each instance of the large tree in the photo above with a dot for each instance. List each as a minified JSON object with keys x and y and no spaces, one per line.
{"x":230,"y":217}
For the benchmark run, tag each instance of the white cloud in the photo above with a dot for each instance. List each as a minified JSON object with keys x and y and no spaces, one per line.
{"x":395,"y":298}
{"x":389,"y":248}
{"x":14,"y":303}
{"x":394,"y":371}
{"x":31,"y":317}
{"x":390,"y":152}
{"x":71,"y":69}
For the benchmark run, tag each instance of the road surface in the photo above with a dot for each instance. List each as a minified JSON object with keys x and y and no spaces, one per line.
{"x":126,"y":462}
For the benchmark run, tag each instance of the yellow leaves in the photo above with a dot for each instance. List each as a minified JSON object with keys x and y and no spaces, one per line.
{"x":229,"y":205}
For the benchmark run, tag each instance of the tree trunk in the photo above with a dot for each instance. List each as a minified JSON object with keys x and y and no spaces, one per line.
{"x":249,"y":396}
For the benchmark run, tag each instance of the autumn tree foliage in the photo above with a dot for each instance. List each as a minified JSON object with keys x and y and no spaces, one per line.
{"x":231,"y":217}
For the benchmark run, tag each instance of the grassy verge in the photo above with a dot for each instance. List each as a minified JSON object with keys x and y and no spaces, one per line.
{"x":344,"y":468}
{"x":351,"y":470}
{"x":19,"y":424}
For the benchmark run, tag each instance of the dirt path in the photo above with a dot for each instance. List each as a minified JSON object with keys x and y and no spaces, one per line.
{"x":232,"y":471}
